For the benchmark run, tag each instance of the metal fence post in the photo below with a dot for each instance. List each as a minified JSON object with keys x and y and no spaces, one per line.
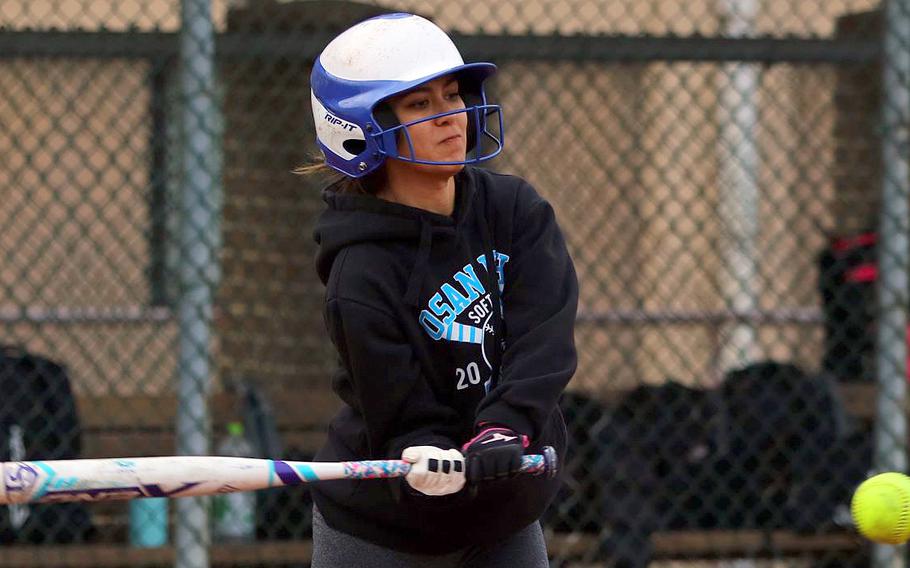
{"x":199,"y":204}
{"x":739,"y":168}
{"x":891,"y":358}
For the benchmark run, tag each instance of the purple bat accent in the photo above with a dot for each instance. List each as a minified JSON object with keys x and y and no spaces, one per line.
{"x":101,"y":493}
{"x":286,"y":473}
{"x":155,"y":490}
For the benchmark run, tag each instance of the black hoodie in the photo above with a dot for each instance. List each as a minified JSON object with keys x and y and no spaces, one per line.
{"x":409,"y":309}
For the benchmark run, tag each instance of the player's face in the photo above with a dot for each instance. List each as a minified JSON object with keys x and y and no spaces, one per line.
{"x":442,"y":139}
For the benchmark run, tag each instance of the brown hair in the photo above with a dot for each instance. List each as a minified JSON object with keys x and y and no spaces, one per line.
{"x":369,"y":184}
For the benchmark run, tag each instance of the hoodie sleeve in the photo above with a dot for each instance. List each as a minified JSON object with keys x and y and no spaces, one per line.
{"x":385,"y":383}
{"x":540,"y":301}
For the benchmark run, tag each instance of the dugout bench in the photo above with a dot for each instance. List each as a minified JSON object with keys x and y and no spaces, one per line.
{"x":144,"y":425}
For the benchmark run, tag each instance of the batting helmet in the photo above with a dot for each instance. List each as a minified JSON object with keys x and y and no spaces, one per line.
{"x":377,"y":59}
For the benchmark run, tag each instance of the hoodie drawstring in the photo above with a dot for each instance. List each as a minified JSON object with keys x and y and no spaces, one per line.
{"x":412,"y":294}
{"x":493,"y":286}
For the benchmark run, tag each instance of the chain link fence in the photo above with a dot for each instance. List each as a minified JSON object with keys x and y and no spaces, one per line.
{"x":731,"y":177}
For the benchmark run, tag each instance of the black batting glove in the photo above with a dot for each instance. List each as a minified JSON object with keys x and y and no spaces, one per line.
{"x":494,"y":453}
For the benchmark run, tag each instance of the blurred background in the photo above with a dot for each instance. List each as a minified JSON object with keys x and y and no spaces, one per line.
{"x":731,"y":177}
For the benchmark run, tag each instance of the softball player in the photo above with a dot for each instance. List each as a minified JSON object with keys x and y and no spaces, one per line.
{"x":451,"y":300}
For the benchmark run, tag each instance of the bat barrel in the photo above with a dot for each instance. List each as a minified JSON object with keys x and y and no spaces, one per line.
{"x":129,"y":478}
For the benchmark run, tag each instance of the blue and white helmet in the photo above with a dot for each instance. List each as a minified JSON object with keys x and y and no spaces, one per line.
{"x":379,"y":58}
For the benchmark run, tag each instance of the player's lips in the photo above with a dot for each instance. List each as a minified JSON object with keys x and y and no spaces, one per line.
{"x":452,"y":138}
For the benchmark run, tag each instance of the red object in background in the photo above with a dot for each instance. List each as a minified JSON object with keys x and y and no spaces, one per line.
{"x":845,"y":244}
{"x":862,"y":273}
{"x":848,"y":276}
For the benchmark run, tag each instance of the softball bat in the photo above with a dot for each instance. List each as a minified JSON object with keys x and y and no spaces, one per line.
{"x":186,"y":476}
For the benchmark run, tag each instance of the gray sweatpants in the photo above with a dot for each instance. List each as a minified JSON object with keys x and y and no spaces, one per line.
{"x":333,"y":549}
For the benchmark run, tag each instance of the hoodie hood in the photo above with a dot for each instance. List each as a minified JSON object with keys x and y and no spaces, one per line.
{"x":351,"y":219}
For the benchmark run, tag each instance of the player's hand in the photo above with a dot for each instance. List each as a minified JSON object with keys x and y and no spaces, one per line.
{"x":434,"y":471}
{"x":494,"y":453}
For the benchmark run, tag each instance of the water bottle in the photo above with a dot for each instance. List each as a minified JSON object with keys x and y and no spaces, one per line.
{"x":234,"y":514}
{"x":148,"y":522}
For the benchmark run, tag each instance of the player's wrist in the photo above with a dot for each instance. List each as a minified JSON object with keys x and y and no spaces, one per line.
{"x":498,"y":435}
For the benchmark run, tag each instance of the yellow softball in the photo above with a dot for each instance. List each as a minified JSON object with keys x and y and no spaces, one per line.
{"x":881,"y":508}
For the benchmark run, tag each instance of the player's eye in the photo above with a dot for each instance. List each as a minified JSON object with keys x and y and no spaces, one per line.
{"x":419,"y":104}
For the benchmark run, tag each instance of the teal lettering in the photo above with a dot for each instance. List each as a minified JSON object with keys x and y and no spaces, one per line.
{"x":470,"y":282}
{"x":459,"y":302}
{"x":432,"y":324}
{"x":442,"y":309}
{"x":501,"y":260}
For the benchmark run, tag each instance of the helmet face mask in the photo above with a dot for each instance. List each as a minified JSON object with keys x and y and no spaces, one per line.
{"x":365,"y":66}
{"x":478,"y":122}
